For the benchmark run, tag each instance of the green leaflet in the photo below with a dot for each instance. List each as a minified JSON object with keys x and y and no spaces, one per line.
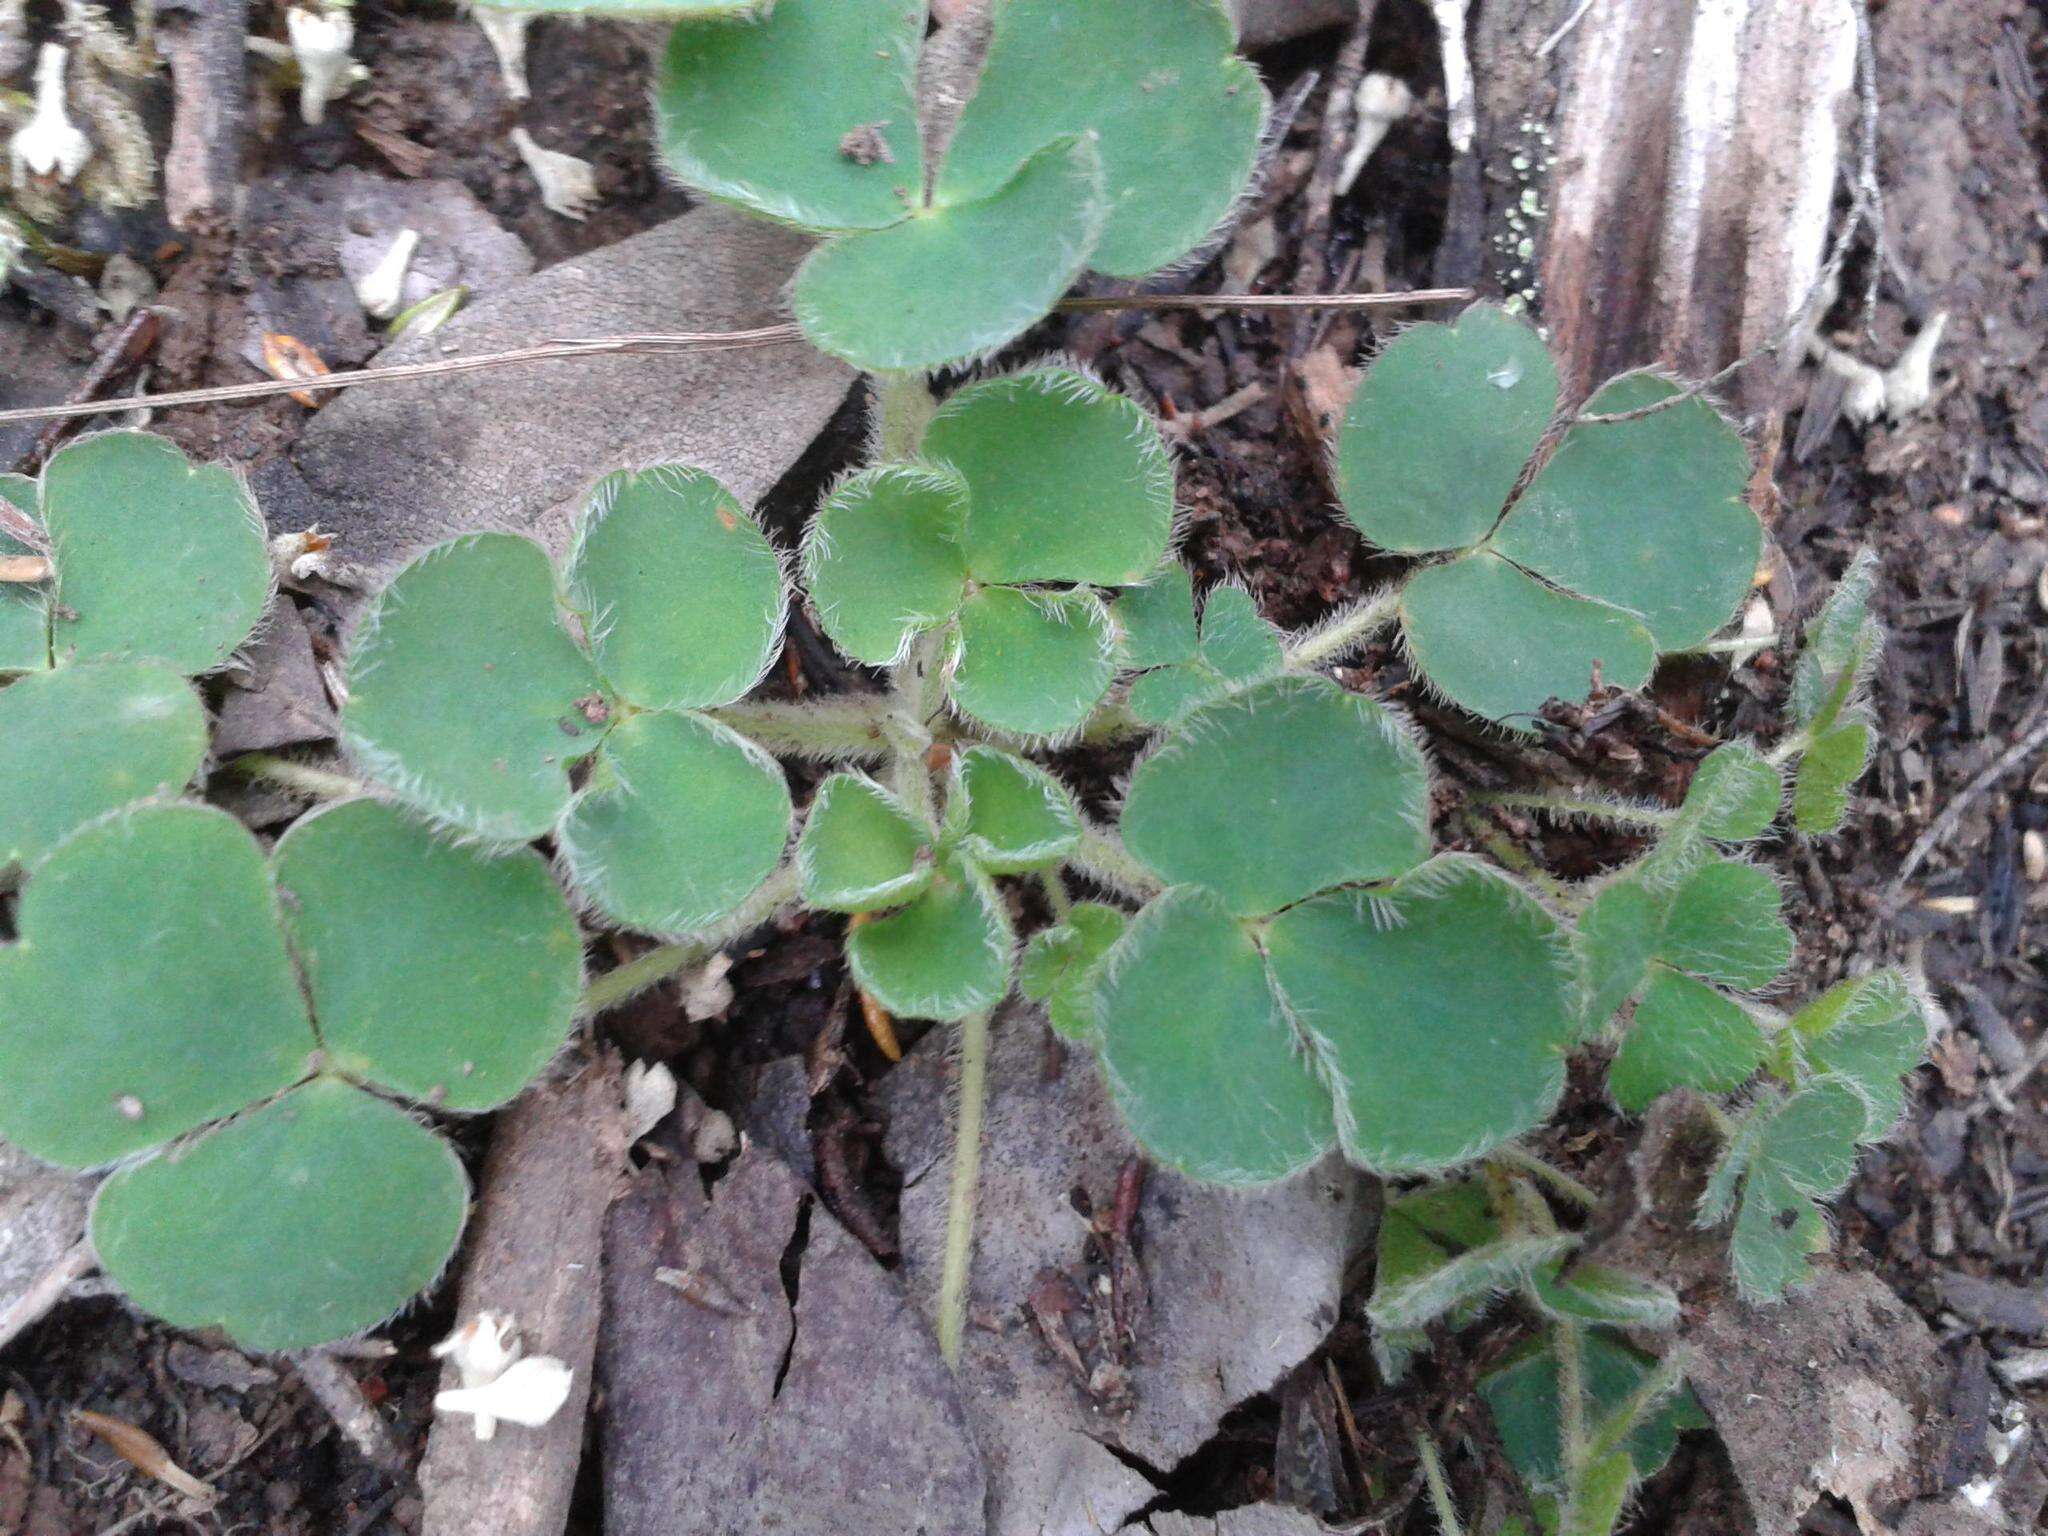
{"x":83,"y":740}
{"x":1032,"y":663}
{"x":1502,"y":644}
{"x":1523,"y":1397}
{"x":1062,"y":964}
{"x":1236,"y":796}
{"x":1203,"y":1061}
{"x":441,"y":972}
{"x":1456,"y":1283}
{"x":124,"y":1023}
{"x":1734,"y":796}
{"x":1842,"y":643}
{"x":1827,"y":771}
{"x":984,"y":269}
{"x":308,"y":1220}
{"x":861,"y":850}
{"x":1685,"y":1035}
{"x":1013,"y":816}
{"x":1237,"y":647}
{"x":157,"y":559}
{"x":944,"y":956}
{"x":755,"y":111}
{"x":1455,"y":963}
{"x":884,"y":559}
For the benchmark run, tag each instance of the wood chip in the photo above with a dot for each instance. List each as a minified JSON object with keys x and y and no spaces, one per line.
{"x":287,"y":357}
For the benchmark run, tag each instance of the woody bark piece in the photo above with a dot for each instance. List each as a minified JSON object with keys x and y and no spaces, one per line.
{"x":1697,"y":150}
{"x":534,"y":1251}
{"x":205,"y":45}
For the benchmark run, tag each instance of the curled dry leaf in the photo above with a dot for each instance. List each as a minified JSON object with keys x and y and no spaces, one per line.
{"x":140,"y":1450}
{"x":287,"y":357}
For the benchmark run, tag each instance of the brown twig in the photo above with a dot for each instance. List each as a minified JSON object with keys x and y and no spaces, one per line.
{"x":1340,"y":122}
{"x":706,"y":341}
{"x":119,"y":356}
{"x":2033,"y":732}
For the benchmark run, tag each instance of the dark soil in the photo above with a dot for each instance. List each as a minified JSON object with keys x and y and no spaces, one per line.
{"x":1953,"y":1213}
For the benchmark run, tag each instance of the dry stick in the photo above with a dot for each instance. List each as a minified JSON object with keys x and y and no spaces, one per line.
{"x":118,"y":356}
{"x":46,"y":1291}
{"x":337,"y":1390}
{"x":1340,"y":122}
{"x":686,"y":342}
{"x":2034,"y":732}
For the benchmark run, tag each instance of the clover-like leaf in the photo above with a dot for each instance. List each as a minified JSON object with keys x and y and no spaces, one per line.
{"x":1725,"y":925}
{"x":24,"y":606}
{"x":467,"y":696}
{"x":80,"y":741}
{"x":308,"y":1220}
{"x":1734,"y":795}
{"x":1870,"y":1030}
{"x":1454,"y":963}
{"x":682,"y":821}
{"x":150,"y":991}
{"x":1205,"y":1065}
{"x":1032,"y":663}
{"x":944,"y":956}
{"x":1603,"y":1297}
{"x":157,"y":558}
{"x":1237,"y":647}
{"x":885,"y":558}
{"x":806,"y":113}
{"x":1501,"y":643}
{"x":1523,"y":1398}
{"x":1440,"y":428}
{"x":1067,"y":480}
{"x":1828,"y":770}
{"x":1155,"y":82}
{"x":1157,"y":619}
{"x":1013,"y":816}
{"x":956,"y":279}
{"x":861,"y":850}
{"x":680,"y":591}
{"x":1685,"y":1035}
{"x":1281,"y":791}
{"x":443,"y":972}
{"x":1062,"y":964}
{"x":1648,"y":515}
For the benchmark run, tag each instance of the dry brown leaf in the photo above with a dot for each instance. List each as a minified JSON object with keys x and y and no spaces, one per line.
{"x":287,"y":357}
{"x":140,"y":1450}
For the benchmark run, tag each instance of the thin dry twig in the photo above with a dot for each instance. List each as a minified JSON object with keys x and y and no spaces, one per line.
{"x":686,"y":342}
{"x":46,"y":1291}
{"x":1340,"y":123}
{"x":337,"y":1390}
{"x":2033,"y":733}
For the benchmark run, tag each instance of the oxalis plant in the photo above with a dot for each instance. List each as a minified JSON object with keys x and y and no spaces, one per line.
{"x":1261,"y":943}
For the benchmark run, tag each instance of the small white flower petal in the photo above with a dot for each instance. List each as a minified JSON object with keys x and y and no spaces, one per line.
{"x":507,"y":33}
{"x":530,"y":1392}
{"x":49,"y":143}
{"x":381,"y":290}
{"x":321,"y":41}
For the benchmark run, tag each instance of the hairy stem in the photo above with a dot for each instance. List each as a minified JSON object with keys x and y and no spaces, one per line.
{"x":960,"y":1203}
{"x":1625,"y":812}
{"x":1330,"y":638}
{"x":1528,"y":1162}
{"x":1439,"y":1487}
{"x":845,"y":729}
{"x":1737,"y":645}
{"x":1109,"y":724}
{"x":660,"y":963}
{"x":1789,"y":748}
{"x":1103,"y":858}
{"x":1571,"y":1400}
{"x":1626,"y":1419}
{"x":321,"y":783}
{"x":1056,"y":898}
{"x":903,"y":409}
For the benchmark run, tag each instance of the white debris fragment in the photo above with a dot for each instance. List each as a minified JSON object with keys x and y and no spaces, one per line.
{"x":1895,"y":392}
{"x":499,"y":1381}
{"x":705,"y":991}
{"x":506,"y":31}
{"x":321,"y":40}
{"x":567,"y":185}
{"x":381,"y":290}
{"x":530,"y":1393}
{"x":49,"y":143}
{"x":650,"y":1095}
{"x":125,"y":286}
{"x":1381,"y":102}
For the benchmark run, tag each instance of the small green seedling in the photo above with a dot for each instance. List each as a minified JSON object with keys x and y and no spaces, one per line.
{"x":1112,"y":136}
